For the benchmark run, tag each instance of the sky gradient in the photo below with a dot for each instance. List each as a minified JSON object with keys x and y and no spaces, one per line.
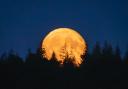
{"x":24,"y":23}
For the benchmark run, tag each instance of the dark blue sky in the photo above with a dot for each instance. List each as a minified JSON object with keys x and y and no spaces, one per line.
{"x":23,"y":23}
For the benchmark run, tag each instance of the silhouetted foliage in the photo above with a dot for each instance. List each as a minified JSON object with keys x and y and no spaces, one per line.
{"x":117,"y":56}
{"x":96,"y":55}
{"x":103,"y":68}
{"x":126,"y":57}
{"x":107,"y":55}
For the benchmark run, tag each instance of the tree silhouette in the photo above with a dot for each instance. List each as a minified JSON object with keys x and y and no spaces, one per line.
{"x":54,"y":60}
{"x":11,"y":58}
{"x":96,"y":55}
{"x":107,"y":54}
{"x":126,"y":57}
{"x":34,"y":58}
{"x":3,"y":58}
{"x":117,"y":56}
{"x":100,"y":69}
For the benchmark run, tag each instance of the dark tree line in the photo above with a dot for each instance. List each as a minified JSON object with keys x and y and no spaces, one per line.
{"x":103,"y":68}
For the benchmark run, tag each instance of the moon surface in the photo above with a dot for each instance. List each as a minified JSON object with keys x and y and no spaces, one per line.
{"x":66,"y":44}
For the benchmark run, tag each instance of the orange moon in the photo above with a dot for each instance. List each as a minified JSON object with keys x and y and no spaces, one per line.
{"x":66,"y":44}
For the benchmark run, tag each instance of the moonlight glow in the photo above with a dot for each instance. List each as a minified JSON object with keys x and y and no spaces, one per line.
{"x":66,"y":44}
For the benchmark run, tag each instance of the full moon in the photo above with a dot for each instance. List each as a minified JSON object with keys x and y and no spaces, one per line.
{"x":66,"y":44}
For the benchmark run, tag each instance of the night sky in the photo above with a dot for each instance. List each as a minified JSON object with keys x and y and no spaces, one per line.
{"x":24,"y":23}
